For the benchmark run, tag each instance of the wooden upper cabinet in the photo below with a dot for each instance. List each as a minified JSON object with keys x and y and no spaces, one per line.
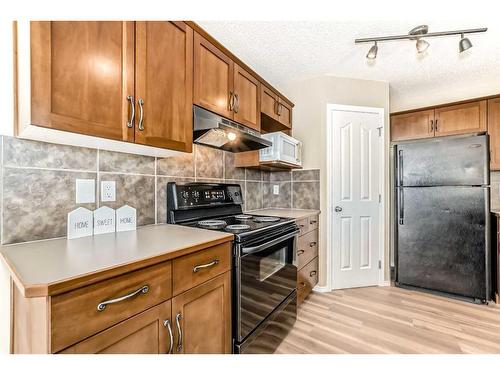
{"x":494,"y":132}
{"x":164,"y":85}
{"x":461,"y":118}
{"x":412,"y":125}
{"x":81,"y":75}
{"x":247,"y":98}
{"x":268,"y":102}
{"x":285,"y":113}
{"x":145,"y":333}
{"x":203,"y":317}
{"x":213,"y":77}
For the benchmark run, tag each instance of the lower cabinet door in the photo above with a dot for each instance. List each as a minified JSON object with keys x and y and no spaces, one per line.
{"x":202,"y":318}
{"x":149,"y":332}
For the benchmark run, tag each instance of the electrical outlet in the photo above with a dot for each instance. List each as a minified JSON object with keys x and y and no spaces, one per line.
{"x":108,"y":191}
{"x":85,"y":191}
{"x":276,"y":189}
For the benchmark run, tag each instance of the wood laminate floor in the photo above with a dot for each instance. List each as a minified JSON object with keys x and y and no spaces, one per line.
{"x":392,"y":320}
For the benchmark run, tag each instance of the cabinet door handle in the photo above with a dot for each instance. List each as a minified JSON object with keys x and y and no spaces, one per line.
{"x":302,"y":286}
{"x":208,"y":265}
{"x":237,"y":103}
{"x":432,"y":125}
{"x":280,"y":107}
{"x":312,"y":273}
{"x":101,"y":306}
{"x":178,"y":318}
{"x":141,"y":114}
{"x":166,"y":323}
{"x":300,"y":252}
{"x":313,"y":222}
{"x":312,"y":244}
{"x":436,"y":127}
{"x":130,"y":122}
{"x":231,"y":101}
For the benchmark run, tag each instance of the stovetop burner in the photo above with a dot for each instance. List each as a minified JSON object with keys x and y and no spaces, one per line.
{"x":237,"y":227}
{"x":212,"y":224}
{"x":266,"y":219}
{"x":243,"y":217}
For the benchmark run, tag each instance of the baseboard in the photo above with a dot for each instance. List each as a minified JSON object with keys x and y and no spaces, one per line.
{"x":385,"y":283}
{"x":321,"y":289}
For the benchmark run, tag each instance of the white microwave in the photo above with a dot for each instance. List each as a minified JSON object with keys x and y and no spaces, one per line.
{"x":285,"y":149}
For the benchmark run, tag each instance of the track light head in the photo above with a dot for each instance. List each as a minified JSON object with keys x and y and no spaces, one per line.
{"x":372,"y":53}
{"x":422,"y":45}
{"x":464,"y":44}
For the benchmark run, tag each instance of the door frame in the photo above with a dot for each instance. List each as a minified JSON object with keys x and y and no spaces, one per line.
{"x":330,"y":108}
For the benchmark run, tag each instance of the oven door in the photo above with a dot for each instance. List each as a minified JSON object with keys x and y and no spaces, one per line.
{"x":265,"y":275}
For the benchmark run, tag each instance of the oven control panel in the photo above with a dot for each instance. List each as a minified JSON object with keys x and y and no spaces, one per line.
{"x":193,"y":195}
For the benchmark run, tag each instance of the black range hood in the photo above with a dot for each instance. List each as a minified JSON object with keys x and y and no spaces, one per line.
{"x":219,"y":132}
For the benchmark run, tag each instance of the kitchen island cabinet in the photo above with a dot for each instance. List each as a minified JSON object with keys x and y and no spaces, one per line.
{"x":115,"y":293}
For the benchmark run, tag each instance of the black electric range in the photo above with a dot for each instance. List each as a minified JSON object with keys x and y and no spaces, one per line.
{"x":264,"y":277}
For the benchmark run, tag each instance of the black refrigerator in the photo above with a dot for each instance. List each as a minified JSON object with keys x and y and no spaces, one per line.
{"x":442,"y":216}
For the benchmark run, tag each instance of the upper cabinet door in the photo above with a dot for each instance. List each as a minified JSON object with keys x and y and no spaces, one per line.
{"x":494,"y":132}
{"x":213,"y":78}
{"x":164,"y":85}
{"x":246,"y":98}
{"x":461,"y":118}
{"x":412,"y":125}
{"x":268,"y":102}
{"x":285,"y":113}
{"x":81,"y":76}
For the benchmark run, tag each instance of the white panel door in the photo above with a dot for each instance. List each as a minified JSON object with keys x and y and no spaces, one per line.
{"x":356,"y":186}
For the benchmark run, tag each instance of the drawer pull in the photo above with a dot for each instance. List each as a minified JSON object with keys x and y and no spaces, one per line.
{"x":302,"y":225}
{"x":178,"y":317}
{"x":208,"y":265}
{"x":300,"y":252}
{"x":312,"y":244}
{"x":166,"y":323}
{"x":312,"y":273}
{"x":302,"y":286}
{"x":313,"y":222}
{"x":101,"y":306}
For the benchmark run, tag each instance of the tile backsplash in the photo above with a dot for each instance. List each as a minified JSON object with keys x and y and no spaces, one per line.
{"x":38,"y":184}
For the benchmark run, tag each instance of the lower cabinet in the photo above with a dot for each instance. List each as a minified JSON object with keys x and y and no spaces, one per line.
{"x":145,"y":333}
{"x":202,"y":318}
{"x":307,"y":257}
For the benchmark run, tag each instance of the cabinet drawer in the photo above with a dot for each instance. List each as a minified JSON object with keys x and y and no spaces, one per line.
{"x":194,"y":269}
{"x":312,"y":223}
{"x":307,"y":248}
{"x":307,"y":278}
{"x":75,"y":315}
{"x":303,"y":225}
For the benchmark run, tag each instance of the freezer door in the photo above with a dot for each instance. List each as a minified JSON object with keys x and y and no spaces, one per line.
{"x":442,"y":239}
{"x":443,"y":161}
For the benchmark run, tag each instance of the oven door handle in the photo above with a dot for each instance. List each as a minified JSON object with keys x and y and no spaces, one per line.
{"x":255,"y":249}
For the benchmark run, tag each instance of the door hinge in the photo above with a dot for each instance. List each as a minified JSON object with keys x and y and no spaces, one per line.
{"x":380,"y":198}
{"x":380,"y":131}
{"x":379,"y":264}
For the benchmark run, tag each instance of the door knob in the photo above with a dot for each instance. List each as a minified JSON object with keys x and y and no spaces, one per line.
{"x":338,"y":208}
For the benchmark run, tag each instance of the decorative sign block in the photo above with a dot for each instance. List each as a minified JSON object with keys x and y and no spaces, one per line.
{"x":126,"y":218}
{"x":80,"y":223}
{"x":104,"y":220}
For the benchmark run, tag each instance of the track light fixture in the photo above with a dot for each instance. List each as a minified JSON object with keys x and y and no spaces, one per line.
{"x":417,"y":33}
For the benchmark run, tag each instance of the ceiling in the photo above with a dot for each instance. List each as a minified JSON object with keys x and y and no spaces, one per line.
{"x":287,"y":51}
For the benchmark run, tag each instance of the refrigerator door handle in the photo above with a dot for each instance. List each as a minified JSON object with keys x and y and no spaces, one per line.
{"x":400,"y":167}
{"x":401,"y":208}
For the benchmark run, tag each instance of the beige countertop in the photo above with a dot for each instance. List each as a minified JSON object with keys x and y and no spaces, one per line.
{"x":292,"y":213}
{"x":49,"y":267}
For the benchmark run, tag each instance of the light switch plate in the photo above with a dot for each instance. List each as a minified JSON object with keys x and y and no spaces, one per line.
{"x":276,"y":189}
{"x":85,"y":191}
{"x":108,"y":191}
